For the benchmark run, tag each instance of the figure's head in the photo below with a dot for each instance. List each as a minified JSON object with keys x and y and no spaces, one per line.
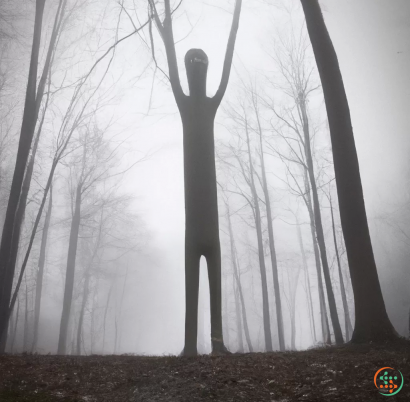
{"x":196,"y":64}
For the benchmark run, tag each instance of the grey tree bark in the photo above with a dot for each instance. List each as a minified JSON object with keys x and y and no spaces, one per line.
{"x":13,"y":337}
{"x":238,"y":317}
{"x":261,"y":254}
{"x":318,"y":224}
{"x":236,"y":270}
{"x":70,"y":271}
{"x":372,"y":321}
{"x":26,"y":329}
{"x":40,"y":270}
{"x":348,"y":325}
{"x":82,"y":312}
{"x":307,"y":279}
{"x":278,"y":302}
{"x":323,"y":313}
{"x":26,"y":137}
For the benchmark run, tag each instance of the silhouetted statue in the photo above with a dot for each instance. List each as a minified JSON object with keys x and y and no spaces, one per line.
{"x":201,"y":205}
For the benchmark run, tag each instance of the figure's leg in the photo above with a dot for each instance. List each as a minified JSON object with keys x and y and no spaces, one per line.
{"x":213,"y":259}
{"x":192,"y":257}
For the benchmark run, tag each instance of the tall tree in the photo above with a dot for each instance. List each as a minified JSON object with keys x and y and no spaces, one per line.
{"x":269,"y":218}
{"x":372,"y":321}
{"x":307,"y":279}
{"x":201,"y":206}
{"x":236,"y":272}
{"x":40,"y":270}
{"x":348,"y":325}
{"x":26,"y":136}
{"x":318,"y":217}
{"x":294,"y":129}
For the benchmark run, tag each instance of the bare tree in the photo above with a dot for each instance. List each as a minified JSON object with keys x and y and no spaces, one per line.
{"x":307,"y":285}
{"x":290,"y":59}
{"x":372,"y":321}
{"x":26,"y":136}
{"x":240,"y":308}
{"x":348,"y":324}
{"x":40,"y":269}
{"x":247,"y":171}
{"x":292,"y":279}
{"x":88,"y":169}
{"x":269,"y":218}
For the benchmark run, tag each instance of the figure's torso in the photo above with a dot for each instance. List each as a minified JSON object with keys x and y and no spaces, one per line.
{"x":201,"y":202}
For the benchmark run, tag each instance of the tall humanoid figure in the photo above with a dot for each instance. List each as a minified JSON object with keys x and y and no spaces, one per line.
{"x":201,"y":206}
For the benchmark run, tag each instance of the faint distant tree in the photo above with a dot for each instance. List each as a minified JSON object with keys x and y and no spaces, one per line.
{"x":298,"y":184}
{"x":85,"y":172}
{"x":240,"y":306}
{"x":243,"y":156}
{"x":20,"y":188}
{"x":264,"y":182}
{"x":292,"y":64}
{"x":201,"y":207}
{"x":372,"y":321}
{"x":292,"y":275}
{"x":307,"y":284}
{"x":291,"y":60}
{"x":93,"y":258}
{"x":14,"y":327}
{"x":40,"y":270}
{"x":76,"y":113}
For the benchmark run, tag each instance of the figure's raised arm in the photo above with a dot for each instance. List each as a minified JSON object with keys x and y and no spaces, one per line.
{"x":165,"y":30}
{"x":228,"y":55}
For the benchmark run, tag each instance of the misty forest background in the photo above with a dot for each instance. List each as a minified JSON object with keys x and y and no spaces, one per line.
{"x":105,"y":172}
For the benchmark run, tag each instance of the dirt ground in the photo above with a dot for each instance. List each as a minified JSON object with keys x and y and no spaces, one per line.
{"x":326,"y":374}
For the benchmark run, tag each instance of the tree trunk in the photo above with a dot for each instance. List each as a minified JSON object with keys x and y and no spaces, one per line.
{"x":19,"y":218}
{"x":225,"y":321}
{"x":261,"y":254}
{"x":26,"y":137}
{"x":40,"y":271}
{"x":278,"y":302}
{"x":234,"y":258}
{"x":238,"y":317}
{"x":82,"y":311}
{"x":13,"y":338}
{"x":292,"y":289}
{"x":322,"y":305}
{"x":73,"y":330}
{"x":116,"y":335}
{"x":308,"y":292}
{"x":69,"y":279}
{"x":348,"y":325}
{"x":318,"y":224}
{"x":121,"y":304}
{"x":26,"y":329}
{"x":372,"y":321}
{"x":105,"y":315}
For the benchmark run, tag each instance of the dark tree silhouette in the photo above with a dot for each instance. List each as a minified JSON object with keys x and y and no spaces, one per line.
{"x":372,"y":322}
{"x":201,"y":207}
{"x":40,"y":271}
{"x":26,"y":136}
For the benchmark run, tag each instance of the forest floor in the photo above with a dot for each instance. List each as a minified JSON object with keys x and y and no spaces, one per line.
{"x":325,"y":374}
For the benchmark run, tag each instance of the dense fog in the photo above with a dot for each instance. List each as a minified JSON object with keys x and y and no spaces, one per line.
{"x":111,"y":129}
